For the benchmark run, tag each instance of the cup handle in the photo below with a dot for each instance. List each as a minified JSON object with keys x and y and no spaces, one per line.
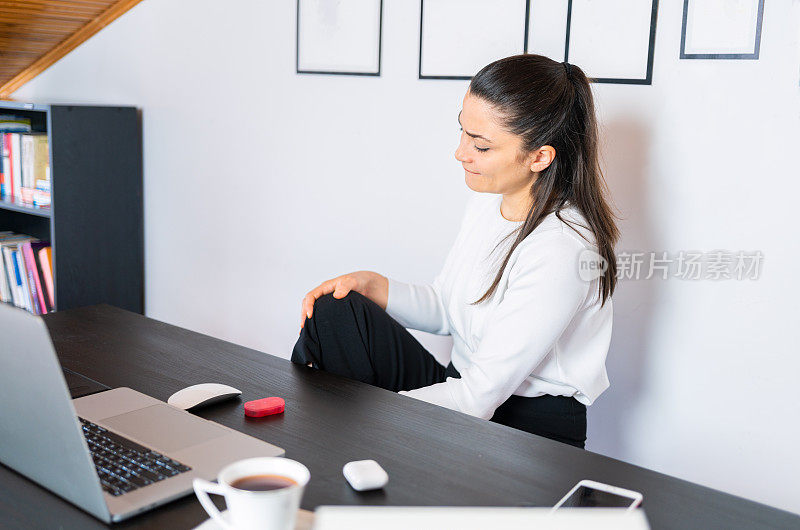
{"x":202,"y":488}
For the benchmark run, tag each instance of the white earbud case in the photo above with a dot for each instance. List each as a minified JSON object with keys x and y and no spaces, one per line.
{"x":365,"y":475}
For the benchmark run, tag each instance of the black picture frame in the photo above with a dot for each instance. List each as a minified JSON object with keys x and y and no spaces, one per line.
{"x":751,"y":56}
{"x":648,"y":79}
{"x":334,"y":72}
{"x":460,"y":77}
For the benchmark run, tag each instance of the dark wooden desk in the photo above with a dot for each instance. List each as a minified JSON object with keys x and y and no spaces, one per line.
{"x":434,"y":456}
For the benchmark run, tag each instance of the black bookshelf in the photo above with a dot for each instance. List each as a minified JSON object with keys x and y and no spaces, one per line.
{"x":95,"y":222}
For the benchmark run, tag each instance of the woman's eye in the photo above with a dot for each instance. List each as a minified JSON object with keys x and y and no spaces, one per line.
{"x":481,"y":149}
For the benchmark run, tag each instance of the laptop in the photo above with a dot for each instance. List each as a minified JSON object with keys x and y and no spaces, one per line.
{"x":113,"y":453}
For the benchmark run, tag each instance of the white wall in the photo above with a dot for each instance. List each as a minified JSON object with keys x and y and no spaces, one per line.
{"x":259,"y":183}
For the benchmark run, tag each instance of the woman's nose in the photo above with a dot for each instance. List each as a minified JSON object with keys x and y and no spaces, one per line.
{"x":460,"y":152}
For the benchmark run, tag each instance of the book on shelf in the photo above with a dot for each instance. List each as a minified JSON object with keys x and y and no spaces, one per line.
{"x":26,"y":274}
{"x":45,"y":254}
{"x":34,"y":280}
{"x":25,"y":168}
{"x":14,"y":124}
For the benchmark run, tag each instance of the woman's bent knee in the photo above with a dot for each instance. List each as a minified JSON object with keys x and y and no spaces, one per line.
{"x":327,"y":304}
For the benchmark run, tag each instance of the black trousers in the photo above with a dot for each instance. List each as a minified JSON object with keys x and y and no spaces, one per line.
{"x":355,"y":338}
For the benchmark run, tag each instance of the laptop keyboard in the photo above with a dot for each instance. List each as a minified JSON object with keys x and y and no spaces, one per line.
{"x":123,"y":465}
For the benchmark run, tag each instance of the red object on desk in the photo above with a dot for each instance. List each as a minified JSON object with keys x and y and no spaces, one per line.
{"x":264,"y":407}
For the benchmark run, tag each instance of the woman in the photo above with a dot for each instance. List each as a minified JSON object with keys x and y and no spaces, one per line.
{"x":530,"y":330}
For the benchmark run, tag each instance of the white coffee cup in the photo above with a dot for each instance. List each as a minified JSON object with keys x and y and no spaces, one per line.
{"x":273,"y":510}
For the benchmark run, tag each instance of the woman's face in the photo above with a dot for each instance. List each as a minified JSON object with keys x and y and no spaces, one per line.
{"x":491,"y":156}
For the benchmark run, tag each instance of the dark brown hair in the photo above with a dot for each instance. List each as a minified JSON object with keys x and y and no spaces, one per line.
{"x":550,"y":103}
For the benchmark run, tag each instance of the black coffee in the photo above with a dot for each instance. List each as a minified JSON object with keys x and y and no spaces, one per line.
{"x":263,"y":482}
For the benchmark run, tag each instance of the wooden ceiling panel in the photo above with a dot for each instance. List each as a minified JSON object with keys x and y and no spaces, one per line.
{"x":36,"y":33}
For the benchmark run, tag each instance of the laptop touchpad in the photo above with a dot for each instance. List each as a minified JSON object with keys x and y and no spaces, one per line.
{"x":164,"y":428}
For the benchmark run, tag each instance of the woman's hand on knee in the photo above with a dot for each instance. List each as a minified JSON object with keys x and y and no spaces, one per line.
{"x":368,"y":283}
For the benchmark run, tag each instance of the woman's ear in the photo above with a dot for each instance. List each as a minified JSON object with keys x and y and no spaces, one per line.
{"x":541,"y":158}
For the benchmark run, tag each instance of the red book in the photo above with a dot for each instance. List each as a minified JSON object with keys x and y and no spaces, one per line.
{"x":16,"y":164}
{"x":2,"y":174}
{"x":33,"y":277}
{"x":7,"y":175}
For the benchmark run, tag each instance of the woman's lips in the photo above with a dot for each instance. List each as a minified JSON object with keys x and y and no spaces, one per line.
{"x":468,"y":171}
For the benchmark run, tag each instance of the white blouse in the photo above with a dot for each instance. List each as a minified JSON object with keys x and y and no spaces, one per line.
{"x":541,"y":332}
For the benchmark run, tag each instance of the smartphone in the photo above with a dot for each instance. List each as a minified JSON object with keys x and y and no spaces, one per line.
{"x":592,"y":494}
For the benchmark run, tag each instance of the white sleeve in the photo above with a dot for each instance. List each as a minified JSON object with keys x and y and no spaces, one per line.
{"x":418,"y":306}
{"x":543,"y":295}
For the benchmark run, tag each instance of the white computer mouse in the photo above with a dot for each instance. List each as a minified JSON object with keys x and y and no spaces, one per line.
{"x":202,"y":394}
